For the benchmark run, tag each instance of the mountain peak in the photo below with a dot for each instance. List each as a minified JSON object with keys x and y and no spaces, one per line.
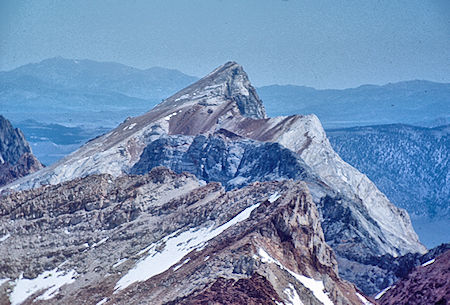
{"x":225,"y":83}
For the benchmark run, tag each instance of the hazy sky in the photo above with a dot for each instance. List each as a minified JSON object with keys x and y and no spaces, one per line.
{"x":324,"y":44}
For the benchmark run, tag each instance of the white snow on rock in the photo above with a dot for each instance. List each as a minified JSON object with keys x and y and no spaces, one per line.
{"x":181,"y":265}
{"x":167,"y":118}
{"x":50,"y":281}
{"x":293,"y":297}
{"x":428,"y":263}
{"x":274,"y":197}
{"x":100,"y":242}
{"x":2,"y":281}
{"x":119,"y":262}
{"x":382,"y":292}
{"x":103,"y":301}
{"x":5,"y":237}
{"x":316,"y":287}
{"x":363,"y":299}
{"x":176,"y":246}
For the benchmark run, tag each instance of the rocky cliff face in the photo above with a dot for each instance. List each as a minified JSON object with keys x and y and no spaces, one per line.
{"x":217,"y":129}
{"x":16,"y":159}
{"x":224,"y":157}
{"x":166,"y":238}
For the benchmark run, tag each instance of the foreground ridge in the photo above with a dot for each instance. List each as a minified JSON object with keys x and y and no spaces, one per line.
{"x":99,"y":243}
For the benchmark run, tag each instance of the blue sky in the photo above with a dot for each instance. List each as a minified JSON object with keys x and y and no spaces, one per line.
{"x":324,"y":44}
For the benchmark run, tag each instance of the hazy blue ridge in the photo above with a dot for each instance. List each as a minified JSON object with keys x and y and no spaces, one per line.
{"x":84,"y":92}
{"x":410,"y":102}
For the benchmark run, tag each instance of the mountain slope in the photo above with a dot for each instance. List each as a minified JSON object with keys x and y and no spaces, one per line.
{"x":410,"y":165}
{"x":427,"y":284}
{"x":224,"y":102}
{"x":16,"y":158}
{"x":162,"y":237}
{"x":409,"y":102}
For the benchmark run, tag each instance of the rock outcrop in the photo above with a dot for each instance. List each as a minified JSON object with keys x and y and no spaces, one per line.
{"x":165,"y":238}
{"x":427,"y":284}
{"x":16,"y":158}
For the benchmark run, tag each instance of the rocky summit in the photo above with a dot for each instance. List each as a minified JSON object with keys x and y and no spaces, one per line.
{"x":16,"y":158}
{"x":251,"y":210}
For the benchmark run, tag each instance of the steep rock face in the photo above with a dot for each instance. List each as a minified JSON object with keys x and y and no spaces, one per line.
{"x":233,"y":163}
{"x":427,"y":284}
{"x":224,"y":102}
{"x":16,"y":159}
{"x":164,"y":238}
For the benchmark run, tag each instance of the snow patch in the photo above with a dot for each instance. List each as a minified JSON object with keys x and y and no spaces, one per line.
{"x":274,"y":197}
{"x":129,"y":127}
{"x":382,"y":292}
{"x":183,"y":97}
{"x":175,"y":247}
{"x":2,"y":281}
{"x":363,"y":299}
{"x":429,"y":262}
{"x":316,"y":287}
{"x":181,"y":265}
{"x":206,"y":258}
{"x":5,"y":237}
{"x":100,"y":242}
{"x":293,"y":297}
{"x":50,"y":281}
{"x":119,"y":262}
{"x":167,"y":118}
{"x":103,"y":301}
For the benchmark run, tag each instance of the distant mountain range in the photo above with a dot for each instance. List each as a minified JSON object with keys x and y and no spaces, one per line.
{"x":84,"y":92}
{"x":415,"y":102}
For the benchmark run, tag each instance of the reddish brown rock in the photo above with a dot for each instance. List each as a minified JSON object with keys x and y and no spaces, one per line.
{"x":427,"y":284}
